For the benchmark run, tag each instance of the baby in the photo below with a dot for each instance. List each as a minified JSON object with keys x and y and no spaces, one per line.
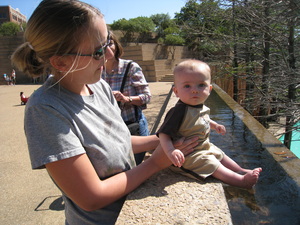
{"x":190,"y":117}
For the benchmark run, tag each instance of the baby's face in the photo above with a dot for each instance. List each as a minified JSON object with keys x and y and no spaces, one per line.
{"x":192,"y":87}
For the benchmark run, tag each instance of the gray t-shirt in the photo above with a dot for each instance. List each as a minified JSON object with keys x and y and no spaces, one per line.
{"x":60,"y":124}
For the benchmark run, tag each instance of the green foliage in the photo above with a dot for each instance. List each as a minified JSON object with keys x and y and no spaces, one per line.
{"x":121,"y":24}
{"x":9,"y":29}
{"x":160,"y":41}
{"x":204,"y":27}
{"x":262,"y":36}
{"x":143,"y":26}
{"x":172,"y":39}
{"x":162,"y":22}
{"x":139,"y":24}
{"x":172,"y":30}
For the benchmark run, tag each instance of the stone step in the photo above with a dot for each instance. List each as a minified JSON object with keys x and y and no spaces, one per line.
{"x":167,"y":78}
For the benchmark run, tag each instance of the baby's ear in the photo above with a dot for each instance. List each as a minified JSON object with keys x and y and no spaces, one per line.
{"x":175,"y":91}
{"x":210,"y":88}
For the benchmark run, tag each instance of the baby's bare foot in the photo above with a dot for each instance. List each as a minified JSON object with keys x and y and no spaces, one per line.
{"x":251,"y":177}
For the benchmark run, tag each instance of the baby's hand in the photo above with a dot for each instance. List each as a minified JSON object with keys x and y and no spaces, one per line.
{"x":220,"y":129}
{"x":177,"y":157}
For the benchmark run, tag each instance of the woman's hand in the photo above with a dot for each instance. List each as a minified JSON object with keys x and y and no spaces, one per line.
{"x":120,"y":97}
{"x":186,"y":145}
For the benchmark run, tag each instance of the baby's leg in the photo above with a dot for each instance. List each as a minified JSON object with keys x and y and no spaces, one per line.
{"x":232,"y":165}
{"x":228,"y":176}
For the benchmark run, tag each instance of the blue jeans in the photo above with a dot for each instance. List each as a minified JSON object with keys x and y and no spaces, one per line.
{"x":144,"y":131}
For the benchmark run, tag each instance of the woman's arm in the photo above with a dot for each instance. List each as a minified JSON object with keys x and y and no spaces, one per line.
{"x":136,"y":89}
{"x":80,"y":182}
{"x":134,"y":100}
{"x":139,"y":86}
{"x":148,"y":143}
{"x":77,"y":178}
{"x":144,"y":143}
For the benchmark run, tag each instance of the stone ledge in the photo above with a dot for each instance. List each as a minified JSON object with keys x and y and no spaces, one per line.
{"x":169,"y":198}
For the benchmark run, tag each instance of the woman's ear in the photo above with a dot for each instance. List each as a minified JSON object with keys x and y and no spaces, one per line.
{"x":60,"y":63}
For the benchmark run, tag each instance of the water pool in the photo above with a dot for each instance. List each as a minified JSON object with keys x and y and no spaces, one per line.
{"x":276,"y":197}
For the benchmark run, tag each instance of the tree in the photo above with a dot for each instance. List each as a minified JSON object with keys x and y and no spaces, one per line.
{"x":126,"y":27}
{"x":270,"y":40}
{"x":203,"y":26}
{"x":291,"y":119}
{"x":142,"y":26}
{"x":263,"y":38}
{"x":9,"y":29}
{"x":162,"y":23}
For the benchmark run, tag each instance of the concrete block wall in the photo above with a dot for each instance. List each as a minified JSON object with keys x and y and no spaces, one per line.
{"x":7,"y":47}
{"x":156,"y":60}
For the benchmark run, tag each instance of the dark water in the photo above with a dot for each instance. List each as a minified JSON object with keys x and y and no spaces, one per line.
{"x":275,"y":199}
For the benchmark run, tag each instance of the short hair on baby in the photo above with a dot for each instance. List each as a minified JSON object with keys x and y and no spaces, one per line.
{"x":192,"y":65}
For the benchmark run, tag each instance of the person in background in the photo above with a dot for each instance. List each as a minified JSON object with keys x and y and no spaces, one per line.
{"x":72,"y":123}
{"x":5,"y":77}
{"x":13,"y":77}
{"x":190,"y":117}
{"x":136,"y":93}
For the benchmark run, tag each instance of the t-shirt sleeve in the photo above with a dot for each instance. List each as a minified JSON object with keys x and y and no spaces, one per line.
{"x":173,"y":121}
{"x":50,"y":136}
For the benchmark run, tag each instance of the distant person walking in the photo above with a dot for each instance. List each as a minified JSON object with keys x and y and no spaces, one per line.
{"x":6,"y":78}
{"x":13,"y":77}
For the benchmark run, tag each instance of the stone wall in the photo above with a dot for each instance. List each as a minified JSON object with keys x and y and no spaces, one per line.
{"x":157,"y":61}
{"x":7,"y":47}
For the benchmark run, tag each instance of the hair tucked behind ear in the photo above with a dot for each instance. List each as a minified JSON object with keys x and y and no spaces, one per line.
{"x":26,"y":60}
{"x":118,"y":46}
{"x":56,"y":27}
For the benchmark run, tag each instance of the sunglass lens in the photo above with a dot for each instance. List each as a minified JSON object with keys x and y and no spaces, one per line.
{"x":99,"y":53}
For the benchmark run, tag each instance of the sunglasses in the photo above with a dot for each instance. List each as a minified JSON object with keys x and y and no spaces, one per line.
{"x":98,"y":54}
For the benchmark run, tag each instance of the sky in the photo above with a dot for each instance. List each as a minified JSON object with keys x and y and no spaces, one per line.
{"x":113,"y":10}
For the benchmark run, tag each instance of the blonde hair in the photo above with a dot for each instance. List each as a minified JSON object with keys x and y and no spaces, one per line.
{"x":192,"y":65}
{"x":56,"y":27}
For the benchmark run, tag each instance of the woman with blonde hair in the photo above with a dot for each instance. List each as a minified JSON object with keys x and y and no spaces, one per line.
{"x":72,"y":123}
